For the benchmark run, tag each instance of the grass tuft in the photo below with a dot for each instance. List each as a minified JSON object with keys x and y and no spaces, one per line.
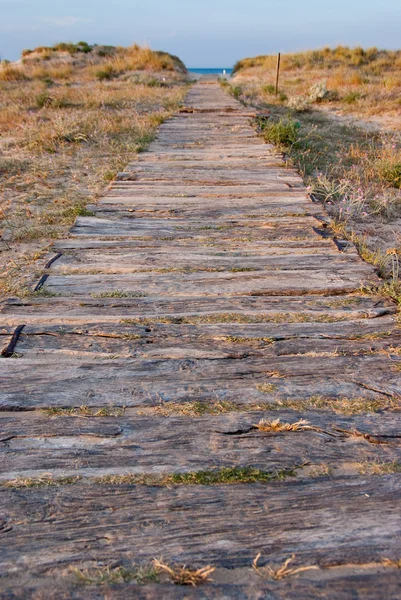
{"x":85,"y":411}
{"x":276,"y":425}
{"x":222,"y":476}
{"x":112,"y":575}
{"x":184,"y":575}
{"x":197,"y":409}
{"x":44,"y":480}
{"x":379,"y":468}
{"x":346,"y":406}
{"x":284,"y":133}
{"x":280,"y":572}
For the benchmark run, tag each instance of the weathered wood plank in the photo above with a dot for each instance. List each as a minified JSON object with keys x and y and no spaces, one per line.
{"x":354,"y":521}
{"x":234,"y":308}
{"x":32,"y":444}
{"x":177,"y":378}
{"x":285,"y":282}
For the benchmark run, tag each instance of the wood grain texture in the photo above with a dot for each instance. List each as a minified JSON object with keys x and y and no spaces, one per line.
{"x":205,"y":293}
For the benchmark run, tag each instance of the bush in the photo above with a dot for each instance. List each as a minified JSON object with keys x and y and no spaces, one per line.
{"x":283,"y":133}
{"x":299,"y":104}
{"x":84,"y":47}
{"x":155,"y":83}
{"x":43,"y":100}
{"x":390,"y":173}
{"x":104,"y":51}
{"x":108,"y":72}
{"x":318,"y":92}
{"x":269,"y":89}
{"x":352,"y":97}
{"x":236,"y":91}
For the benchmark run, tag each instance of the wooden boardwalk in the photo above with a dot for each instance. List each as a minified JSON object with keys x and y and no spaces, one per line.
{"x":205,"y":294}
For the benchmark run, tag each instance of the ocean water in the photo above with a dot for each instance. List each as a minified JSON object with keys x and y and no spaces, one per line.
{"x":207,"y":71}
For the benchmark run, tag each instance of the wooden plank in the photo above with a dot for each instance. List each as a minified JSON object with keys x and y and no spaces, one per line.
{"x":177,"y":377}
{"x":238,"y":308}
{"x":286,"y":282}
{"x":203,"y":260}
{"x":35,"y":443}
{"x":354,"y":521}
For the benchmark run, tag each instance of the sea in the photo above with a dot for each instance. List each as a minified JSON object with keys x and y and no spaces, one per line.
{"x":208,"y":71}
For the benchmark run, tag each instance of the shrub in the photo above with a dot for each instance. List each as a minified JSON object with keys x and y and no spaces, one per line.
{"x":107,"y":72}
{"x":283,"y":133}
{"x":390,"y":173}
{"x":43,"y":100}
{"x":236,"y":91}
{"x":104,"y":51}
{"x":84,"y":47}
{"x":299,"y":104}
{"x":269,"y":89}
{"x":352,"y":97}
{"x":318,"y":92}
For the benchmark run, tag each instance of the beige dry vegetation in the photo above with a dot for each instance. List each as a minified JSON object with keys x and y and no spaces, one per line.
{"x":320,"y":120}
{"x":69,"y":121}
{"x":144,"y":574}
{"x":282,"y":571}
{"x":360,"y":81}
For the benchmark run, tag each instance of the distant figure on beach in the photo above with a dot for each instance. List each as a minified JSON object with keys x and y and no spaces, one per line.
{"x":224,"y":71}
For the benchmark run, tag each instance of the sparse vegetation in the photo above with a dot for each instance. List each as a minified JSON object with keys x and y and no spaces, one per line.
{"x":222,"y":476}
{"x":280,"y":572}
{"x":276,"y":425}
{"x":198,"y":409}
{"x":85,"y":411}
{"x":108,"y":575}
{"x":278,"y":317}
{"x":119,"y":294}
{"x":65,"y":133}
{"x":144,"y":574}
{"x":283,"y":133}
{"x":353,"y":168}
{"x":45,"y":480}
{"x":347,"y":406}
{"x":184,"y":575}
{"x":379,"y":468}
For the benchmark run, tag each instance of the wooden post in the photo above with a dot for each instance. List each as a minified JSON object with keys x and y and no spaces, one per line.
{"x":278,"y":71}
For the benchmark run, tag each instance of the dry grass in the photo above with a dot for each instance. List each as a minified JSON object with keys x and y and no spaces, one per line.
{"x":268,"y":425}
{"x":45,"y":480}
{"x":198,"y":409}
{"x":183,"y":575}
{"x":379,"y":468}
{"x":346,"y":406}
{"x":365,"y":81}
{"x":280,"y":572}
{"x":266,"y":388}
{"x":395,"y":564}
{"x":143,"y":574}
{"x":322,"y":470}
{"x":109,"y":575}
{"x":64,"y":136}
{"x":273,"y":317}
{"x":85,"y":411}
{"x":354,"y":169}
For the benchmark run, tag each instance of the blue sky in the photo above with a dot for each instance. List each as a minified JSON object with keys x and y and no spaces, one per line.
{"x":211,"y":33}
